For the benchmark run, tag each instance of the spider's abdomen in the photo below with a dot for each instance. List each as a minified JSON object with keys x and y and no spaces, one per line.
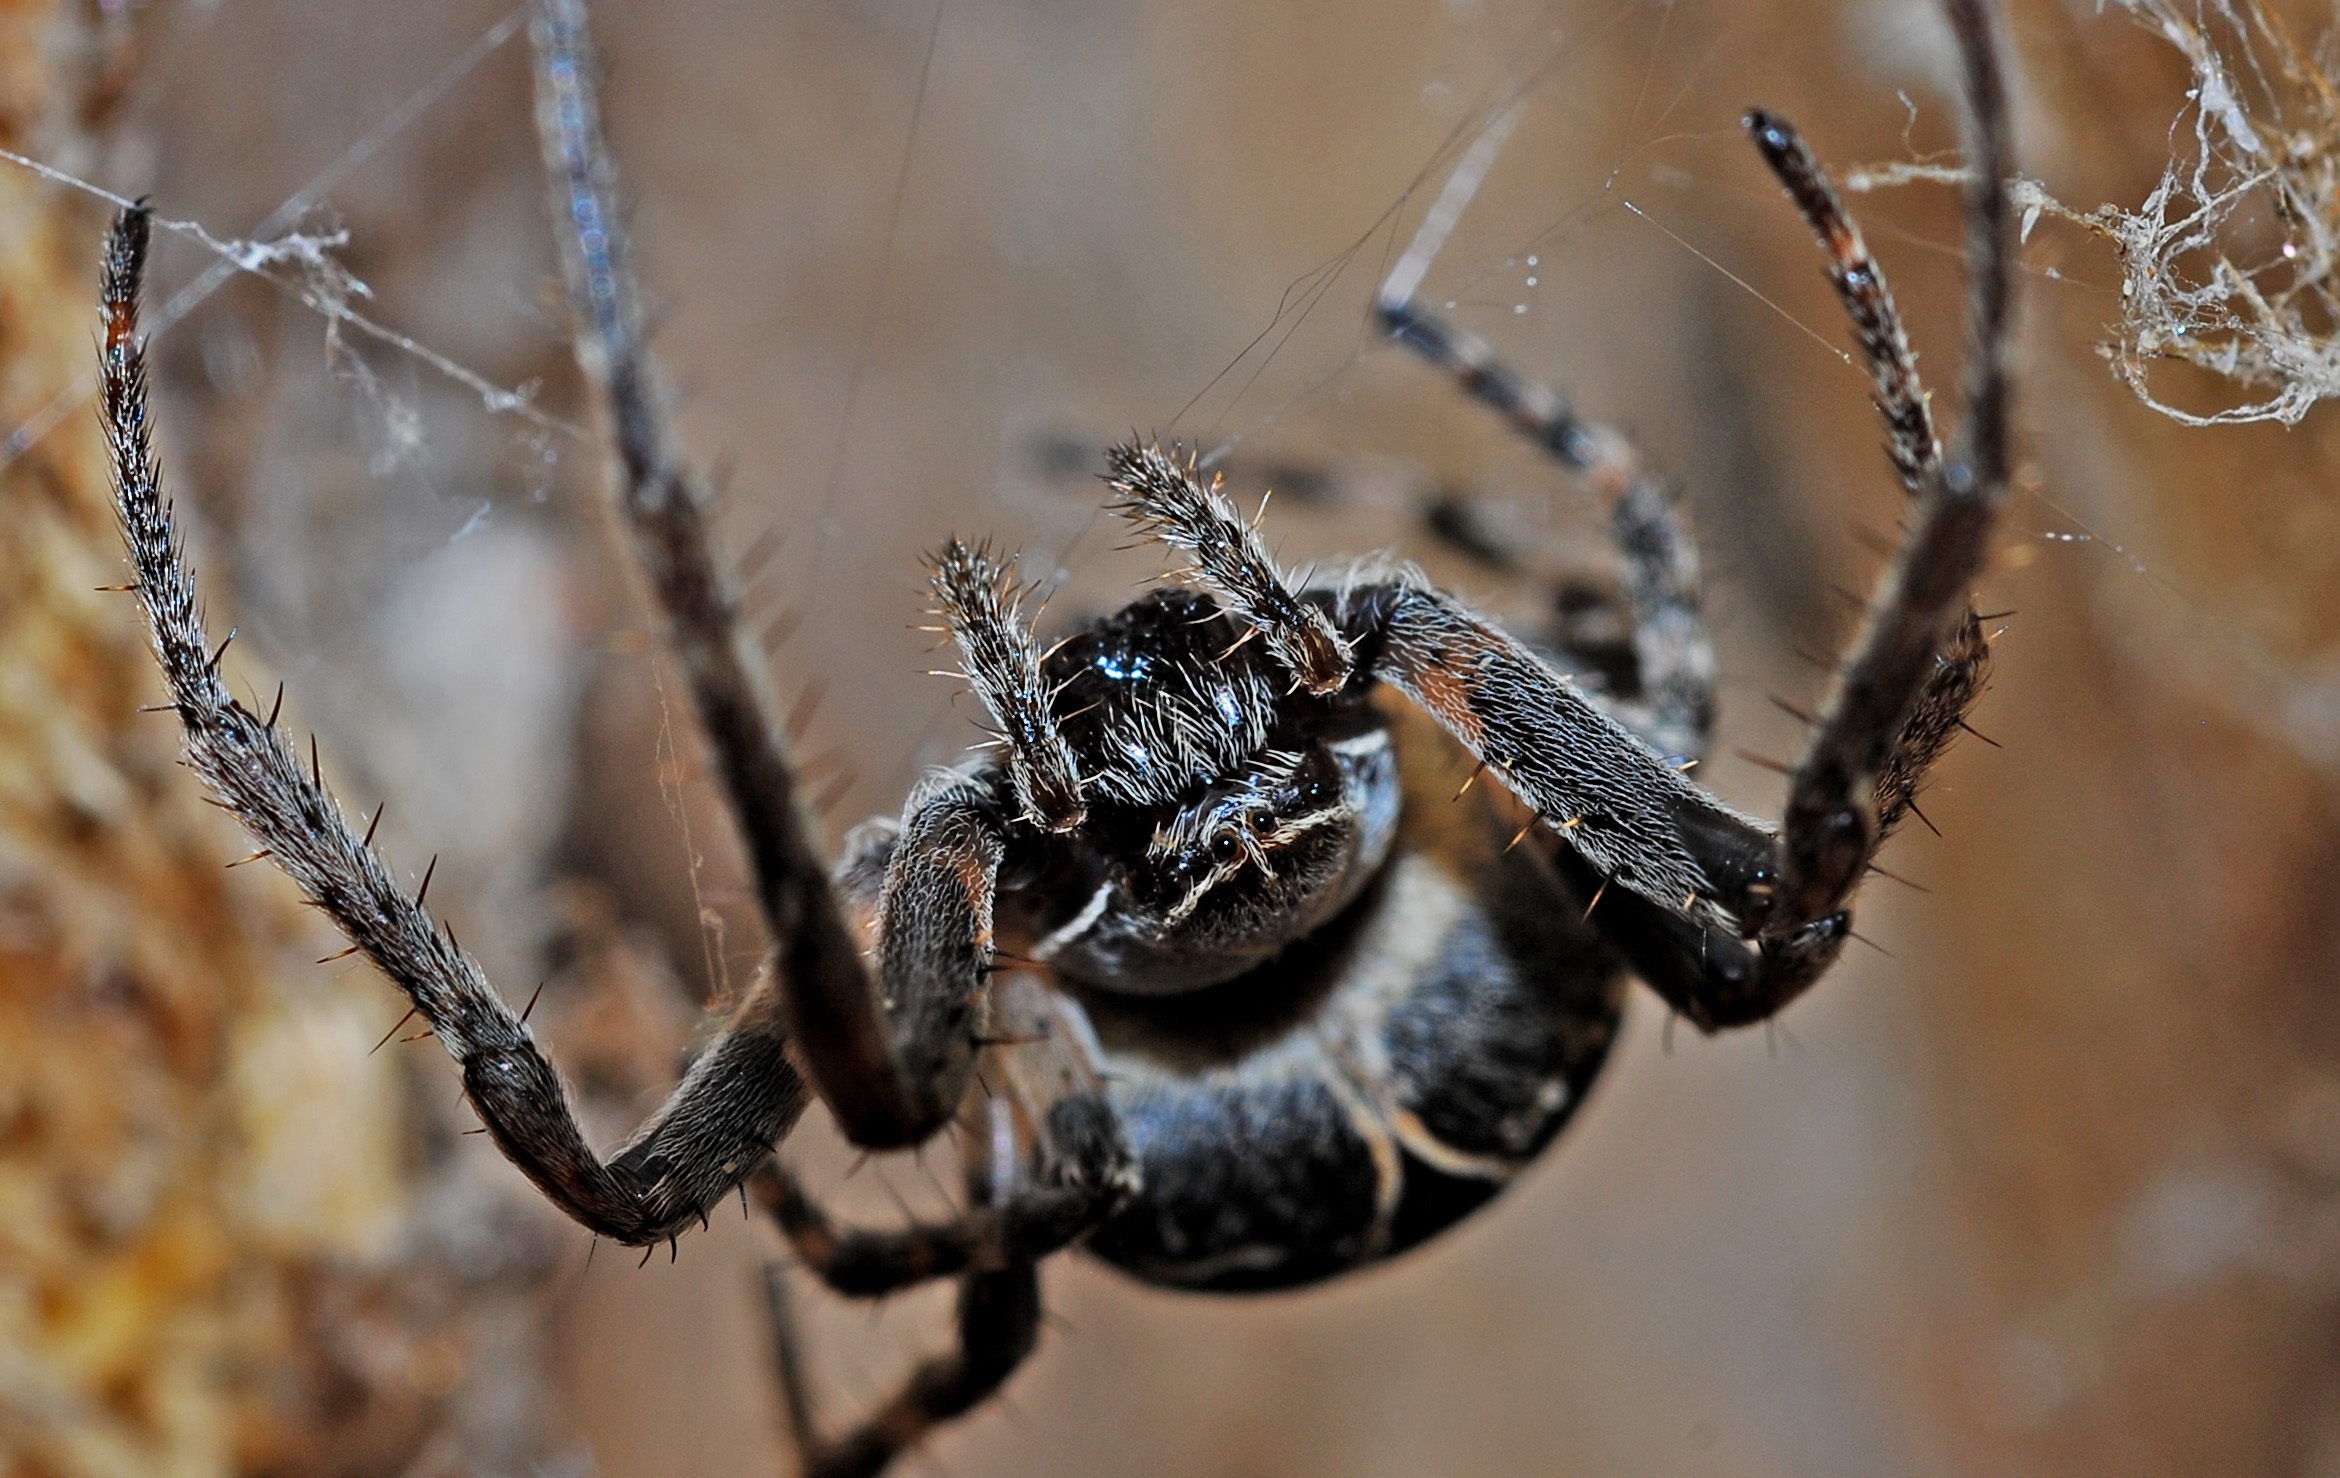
{"x":1377,"y":1081}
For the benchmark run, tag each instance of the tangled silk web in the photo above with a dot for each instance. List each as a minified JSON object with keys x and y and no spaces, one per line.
{"x":2229,"y":263}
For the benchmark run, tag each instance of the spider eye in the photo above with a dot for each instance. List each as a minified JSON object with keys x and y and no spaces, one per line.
{"x":1224,"y":847}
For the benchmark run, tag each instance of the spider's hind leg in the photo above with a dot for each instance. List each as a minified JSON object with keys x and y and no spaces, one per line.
{"x":999,"y":1323}
{"x":1038,"y":1178}
{"x":1084,"y":1173}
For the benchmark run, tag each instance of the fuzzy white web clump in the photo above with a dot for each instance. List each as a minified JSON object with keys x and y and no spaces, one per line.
{"x":2229,"y":263}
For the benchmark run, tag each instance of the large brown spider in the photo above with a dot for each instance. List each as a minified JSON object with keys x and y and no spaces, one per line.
{"x":1258,"y":997}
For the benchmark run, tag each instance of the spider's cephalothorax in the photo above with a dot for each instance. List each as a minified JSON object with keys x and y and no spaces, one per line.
{"x":1233,"y":812}
{"x":1262,"y":982}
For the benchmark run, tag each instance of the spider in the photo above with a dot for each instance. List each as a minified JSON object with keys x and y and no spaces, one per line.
{"x":1219,"y":966}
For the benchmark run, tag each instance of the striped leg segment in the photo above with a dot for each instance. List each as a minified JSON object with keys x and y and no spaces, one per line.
{"x":1671,"y":703}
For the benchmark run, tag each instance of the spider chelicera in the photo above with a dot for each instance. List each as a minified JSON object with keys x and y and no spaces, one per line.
{"x":1262,"y":989}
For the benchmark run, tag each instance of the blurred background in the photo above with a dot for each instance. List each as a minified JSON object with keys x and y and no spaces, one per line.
{"x":2048,"y":1182}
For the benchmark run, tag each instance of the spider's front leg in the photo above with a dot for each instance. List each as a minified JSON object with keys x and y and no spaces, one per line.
{"x":892,"y":1076}
{"x":1875,"y":742}
{"x":1627,"y":811}
{"x":826,"y":1003}
{"x":1683,"y":884}
{"x":741,"y":1096}
{"x":890,"y":1057}
{"x":1725,"y":918}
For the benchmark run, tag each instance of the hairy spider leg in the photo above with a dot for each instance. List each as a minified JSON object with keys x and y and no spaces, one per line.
{"x":978,"y":599}
{"x":1669,"y":701}
{"x":1627,"y":810}
{"x":740,"y":1096}
{"x":891,"y":1077}
{"x":858,"y":1263}
{"x":1164,"y":498}
{"x":1868,"y":299}
{"x":1864,"y":750}
{"x":1732,"y":922}
{"x":1042,"y":1074}
{"x":998,"y":1326}
{"x":1024,"y":1204}
{"x":1963,"y":658}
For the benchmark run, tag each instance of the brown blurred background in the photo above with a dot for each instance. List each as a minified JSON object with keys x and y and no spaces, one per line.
{"x":2049,"y":1183}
